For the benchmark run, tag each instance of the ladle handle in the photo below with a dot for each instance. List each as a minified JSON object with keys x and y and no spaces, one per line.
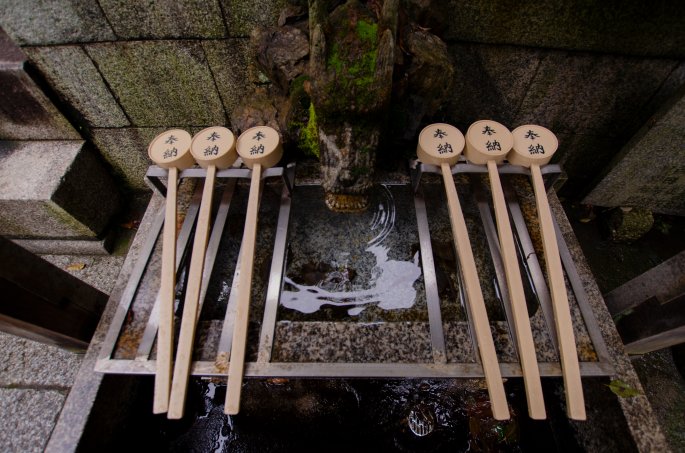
{"x":524,"y":336}
{"x":184,"y":353}
{"x":237,"y":360}
{"x":165,"y":335}
{"x":474,"y":297}
{"x":562,"y":315}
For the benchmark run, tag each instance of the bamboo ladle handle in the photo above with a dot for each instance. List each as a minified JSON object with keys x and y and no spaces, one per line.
{"x":212,"y":148}
{"x":170,"y":150}
{"x":534,"y":146}
{"x":260,"y":147}
{"x":441,"y":144}
{"x":487,"y":142}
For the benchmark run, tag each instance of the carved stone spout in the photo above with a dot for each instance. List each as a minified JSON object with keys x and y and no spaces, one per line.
{"x":351,"y":65}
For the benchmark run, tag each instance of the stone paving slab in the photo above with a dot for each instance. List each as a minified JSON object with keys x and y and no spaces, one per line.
{"x":27,"y":418}
{"x":26,"y":363}
{"x":160,"y":82}
{"x":56,"y":189}
{"x":132,"y":19}
{"x":72,"y":74}
{"x":27,"y":114}
{"x":649,"y":171}
{"x":54,"y":22}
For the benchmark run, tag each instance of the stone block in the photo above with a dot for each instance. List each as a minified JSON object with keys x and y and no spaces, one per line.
{"x":160,"y":82}
{"x":591,"y":94}
{"x":27,"y":417}
{"x":27,"y":114}
{"x":634,"y":28}
{"x":125,"y":149}
{"x":158,"y":19}
{"x":582,"y":157}
{"x":55,"y":189}
{"x":36,"y":22}
{"x":74,"y":77}
{"x":29,"y":363}
{"x":229,"y":60}
{"x":649,"y":171}
{"x":489,"y":82}
{"x":242,"y":16}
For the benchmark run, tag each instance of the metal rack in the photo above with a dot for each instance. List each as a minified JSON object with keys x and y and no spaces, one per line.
{"x":264,"y":366}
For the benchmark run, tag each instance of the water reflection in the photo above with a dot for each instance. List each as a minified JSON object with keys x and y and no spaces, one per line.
{"x":391,"y":282}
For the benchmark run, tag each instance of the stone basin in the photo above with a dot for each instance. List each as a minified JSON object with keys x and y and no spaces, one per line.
{"x":364,"y":319}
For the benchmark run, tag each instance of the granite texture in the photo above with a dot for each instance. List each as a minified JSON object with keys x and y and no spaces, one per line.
{"x":77,"y":408}
{"x":99,"y":271}
{"x":229,"y":61}
{"x":27,"y":114}
{"x":55,"y":22}
{"x":639,"y":417}
{"x":125,"y":150}
{"x":159,"y":19}
{"x":242,"y":16}
{"x":76,"y":80}
{"x":665,"y":388}
{"x":591,"y":94}
{"x":617,"y":27}
{"x":26,"y":363}
{"x":649,"y":171}
{"x":352,"y":342}
{"x":54,"y":189}
{"x":669,"y":88}
{"x":490,"y":82}
{"x":160,"y":83}
{"x":27,"y":417}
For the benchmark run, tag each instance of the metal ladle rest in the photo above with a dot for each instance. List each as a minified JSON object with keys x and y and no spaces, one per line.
{"x":265,"y":367}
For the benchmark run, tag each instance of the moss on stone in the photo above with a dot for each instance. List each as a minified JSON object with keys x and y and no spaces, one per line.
{"x":368,"y":32}
{"x":309,"y":135}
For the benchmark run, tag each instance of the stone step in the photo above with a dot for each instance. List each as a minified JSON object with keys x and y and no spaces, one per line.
{"x":54,"y":189}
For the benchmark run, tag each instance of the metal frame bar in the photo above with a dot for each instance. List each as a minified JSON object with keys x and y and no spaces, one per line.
{"x":275,"y":286}
{"x":150,"y":332}
{"x":439,"y":368}
{"x":430,"y":280}
{"x":492,"y":238}
{"x":530,"y":262}
{"x":554,"y":171}
{"x":357,"y":370}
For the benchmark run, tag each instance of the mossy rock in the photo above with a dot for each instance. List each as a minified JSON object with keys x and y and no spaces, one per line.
{"x":629,"y":224}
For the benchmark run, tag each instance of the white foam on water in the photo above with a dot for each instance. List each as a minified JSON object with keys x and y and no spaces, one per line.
{"x":392,"y":281}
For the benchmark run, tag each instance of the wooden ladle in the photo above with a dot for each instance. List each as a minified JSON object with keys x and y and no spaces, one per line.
{"x":212,"y":148}
{"x":441,"y":144}
{"x":259,"y":147}
{"x":170,"y":150}
{"x":488,"y":142}
{"x":534,"y":146}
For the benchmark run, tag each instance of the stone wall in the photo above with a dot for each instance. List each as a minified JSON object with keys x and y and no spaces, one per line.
{"x":593,"y":72}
